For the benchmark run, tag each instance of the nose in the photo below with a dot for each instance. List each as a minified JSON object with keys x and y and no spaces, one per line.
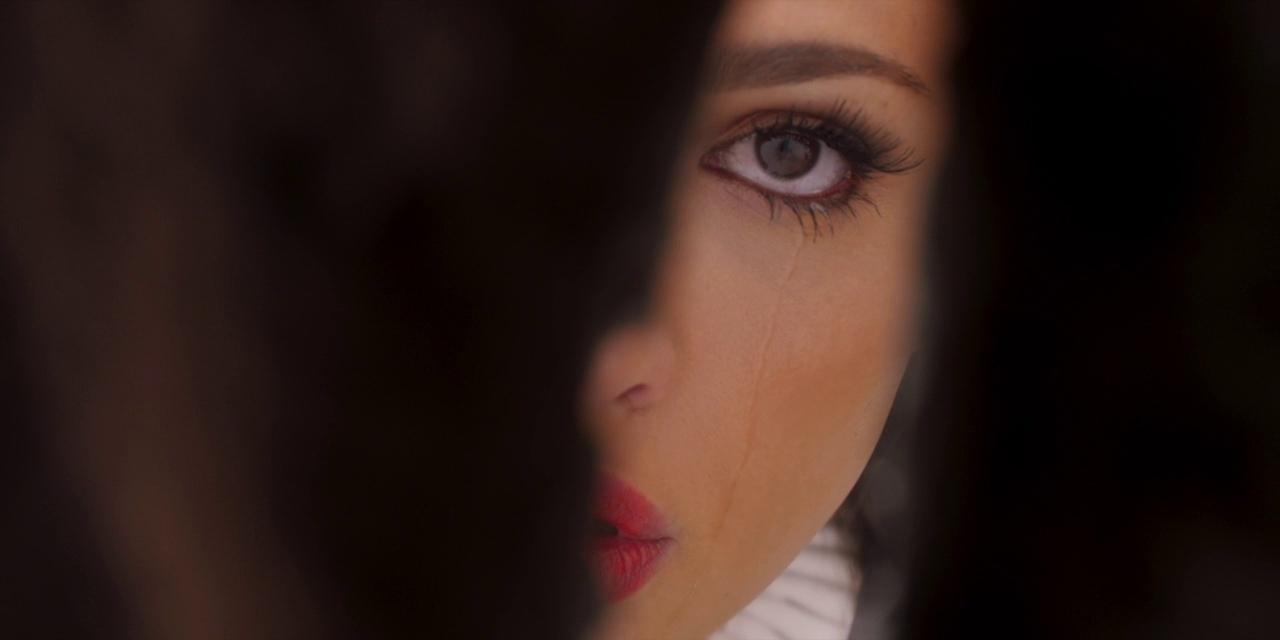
{"x":631,"y":370}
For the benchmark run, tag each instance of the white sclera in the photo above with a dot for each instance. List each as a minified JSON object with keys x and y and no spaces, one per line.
{"x":740,"y":159}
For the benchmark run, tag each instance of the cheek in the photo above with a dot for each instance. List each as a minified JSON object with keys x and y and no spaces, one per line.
{"x":821,"y":408}
{"x":791,"y":437}
{"x":792,"y":350}
{"x":788,"y":346}
{"x":833,"y":366}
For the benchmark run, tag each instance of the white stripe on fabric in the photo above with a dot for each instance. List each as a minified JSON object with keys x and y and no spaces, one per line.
{"x":812,"y":599}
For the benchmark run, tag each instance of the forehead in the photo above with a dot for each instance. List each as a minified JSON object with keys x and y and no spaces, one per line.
{"x":916,"y":33}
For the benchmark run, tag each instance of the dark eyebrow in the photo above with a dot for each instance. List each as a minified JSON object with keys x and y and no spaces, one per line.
{"x":786,"y":63}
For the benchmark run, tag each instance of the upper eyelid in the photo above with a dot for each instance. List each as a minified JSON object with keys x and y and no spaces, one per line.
{"x":763,"y":121}
{"x":876,"y":151}
{"x":749,"y":123}
{"x":723,"y":146}
{"x":871,"y":143}
{"x":868,"y":147}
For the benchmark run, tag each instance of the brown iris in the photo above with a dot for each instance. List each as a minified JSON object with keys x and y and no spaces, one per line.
{"x":786,"y":155}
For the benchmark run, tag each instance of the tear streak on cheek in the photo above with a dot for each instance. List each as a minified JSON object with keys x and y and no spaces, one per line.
{"x":750,"y":419}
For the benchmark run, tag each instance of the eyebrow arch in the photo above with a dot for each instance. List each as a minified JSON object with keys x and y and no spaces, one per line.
{"x":791,"y":62}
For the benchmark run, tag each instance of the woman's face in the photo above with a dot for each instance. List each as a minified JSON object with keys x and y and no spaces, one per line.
{"x":745,"y":404}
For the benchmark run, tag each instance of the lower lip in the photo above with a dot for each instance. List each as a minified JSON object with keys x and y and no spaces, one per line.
{"x":627,"y":560}
{"x":625,"y":565}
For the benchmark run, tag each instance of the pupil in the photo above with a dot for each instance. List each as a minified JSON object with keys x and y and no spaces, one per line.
{"x":786,"y":155}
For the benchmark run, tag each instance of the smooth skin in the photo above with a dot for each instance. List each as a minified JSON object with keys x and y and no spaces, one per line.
{"x":747,"y":401}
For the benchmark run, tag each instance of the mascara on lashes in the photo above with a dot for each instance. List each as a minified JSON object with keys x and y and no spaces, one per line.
{"x":868,"y":150}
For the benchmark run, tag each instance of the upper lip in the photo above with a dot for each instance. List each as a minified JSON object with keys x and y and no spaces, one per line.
{"x":626,"y":509}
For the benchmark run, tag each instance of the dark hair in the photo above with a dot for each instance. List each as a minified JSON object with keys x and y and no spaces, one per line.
{"x":1097,"y":449}
{"x":295,"y":302}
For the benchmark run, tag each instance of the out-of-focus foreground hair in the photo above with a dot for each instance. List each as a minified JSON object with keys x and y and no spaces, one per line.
{"x":1100,"y":439}
{"x":294,"y":299}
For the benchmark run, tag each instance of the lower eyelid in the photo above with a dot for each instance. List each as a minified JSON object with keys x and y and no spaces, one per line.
{"x":816,"y":215}
{"x":869,"y":151}
{"x":847,"y":185}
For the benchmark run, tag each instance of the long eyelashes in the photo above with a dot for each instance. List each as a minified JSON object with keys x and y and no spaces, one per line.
{"x":868,"y":150}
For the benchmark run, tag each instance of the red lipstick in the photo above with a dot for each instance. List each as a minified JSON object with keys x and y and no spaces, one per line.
{"x":630,"y":538}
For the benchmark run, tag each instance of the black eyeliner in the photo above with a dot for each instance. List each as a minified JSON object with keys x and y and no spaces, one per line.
{"x":868,"y":149}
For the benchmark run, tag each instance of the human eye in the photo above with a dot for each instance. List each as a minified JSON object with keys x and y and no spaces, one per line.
{"x":812,"y":164}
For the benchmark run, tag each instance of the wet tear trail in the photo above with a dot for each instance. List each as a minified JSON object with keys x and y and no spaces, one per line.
{"x":752,"y":423}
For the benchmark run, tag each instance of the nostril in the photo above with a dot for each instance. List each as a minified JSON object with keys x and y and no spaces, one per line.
{"x":630,"y":372}
{"x":638,"y":396}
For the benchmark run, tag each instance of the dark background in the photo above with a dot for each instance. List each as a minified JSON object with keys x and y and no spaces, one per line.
{"x":1100,"y":443}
